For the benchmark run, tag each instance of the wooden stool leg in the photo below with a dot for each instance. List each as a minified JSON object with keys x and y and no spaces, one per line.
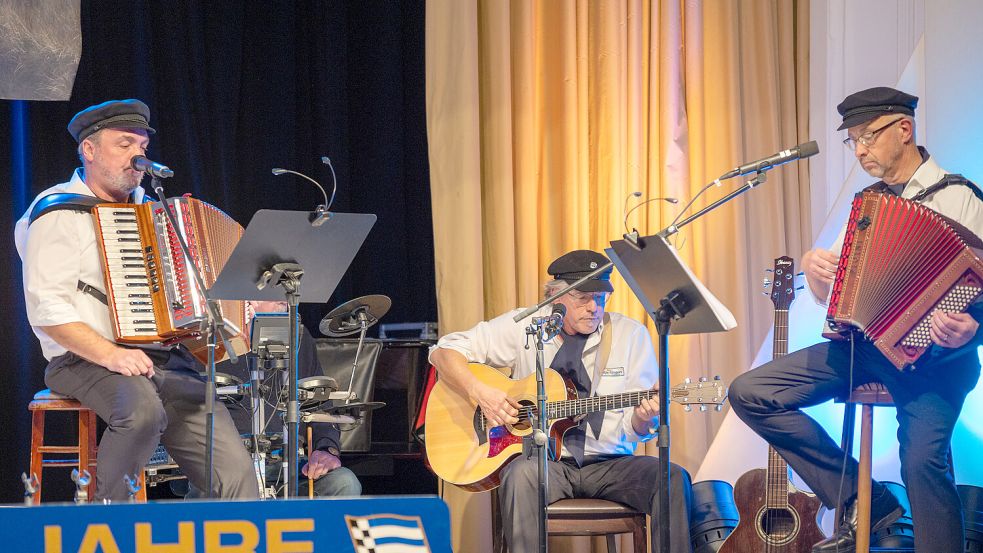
{"x":37,"y":442}
{"x":639,"y":537}
{"x":863,"y":479}
{"x":612,"y":545}
{"x":87,"y":447}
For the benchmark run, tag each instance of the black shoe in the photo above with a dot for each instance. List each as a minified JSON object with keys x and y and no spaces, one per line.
{"x":884,"y":510}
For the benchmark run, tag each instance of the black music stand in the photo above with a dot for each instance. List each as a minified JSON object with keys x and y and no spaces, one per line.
{"x":277,"y":249}
{"x":682,"y":305}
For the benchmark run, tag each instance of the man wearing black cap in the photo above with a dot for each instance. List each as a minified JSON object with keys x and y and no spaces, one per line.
{"x":880,"y":129}
{"x":601,"y":353}
{"x":148,"y":394}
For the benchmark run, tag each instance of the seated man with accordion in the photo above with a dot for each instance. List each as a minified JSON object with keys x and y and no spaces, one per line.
{"x":902,"y":283}
{"x":149,"y":390}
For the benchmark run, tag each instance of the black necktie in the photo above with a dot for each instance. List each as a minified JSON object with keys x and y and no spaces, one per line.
{"x":569,"y":363}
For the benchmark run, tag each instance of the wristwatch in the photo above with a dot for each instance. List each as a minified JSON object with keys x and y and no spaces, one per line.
{"x":334,"y":451}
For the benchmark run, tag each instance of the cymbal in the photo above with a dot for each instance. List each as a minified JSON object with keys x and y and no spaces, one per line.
{"x":347,"y":318}
{"x":314,"y":383}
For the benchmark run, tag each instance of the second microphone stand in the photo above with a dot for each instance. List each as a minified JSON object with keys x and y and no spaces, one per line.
{"x":214,"y":327}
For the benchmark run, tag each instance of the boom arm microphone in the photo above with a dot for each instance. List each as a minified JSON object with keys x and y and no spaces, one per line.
{"x":801,"y":151}
{"x":141,"y":163}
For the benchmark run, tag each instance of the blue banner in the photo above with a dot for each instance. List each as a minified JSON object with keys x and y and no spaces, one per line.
{"x":395,"y":524}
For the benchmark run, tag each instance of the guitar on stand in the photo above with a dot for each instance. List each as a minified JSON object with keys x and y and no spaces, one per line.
{"x":774,"y":515}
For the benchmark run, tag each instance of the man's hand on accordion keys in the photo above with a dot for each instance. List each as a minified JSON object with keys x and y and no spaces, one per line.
{"x":952,"y":330}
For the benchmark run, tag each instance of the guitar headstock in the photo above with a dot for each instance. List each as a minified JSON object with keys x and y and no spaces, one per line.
{"x":783,"y":283}
{"x":703,"y":392}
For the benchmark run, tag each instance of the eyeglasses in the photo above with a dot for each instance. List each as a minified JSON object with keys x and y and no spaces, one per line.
{"x":868,"y":138}
{"x":582,"y":298}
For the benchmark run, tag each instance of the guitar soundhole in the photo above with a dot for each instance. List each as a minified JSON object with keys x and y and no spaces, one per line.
{"x":777,"y":526}
{"x":528,"y":408}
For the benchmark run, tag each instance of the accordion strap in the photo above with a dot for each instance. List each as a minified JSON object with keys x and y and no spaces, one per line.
{"x":64,"y":200}
{"x":948,"y":179}
{"x":952,"y":178}
{"x":91,"y":290}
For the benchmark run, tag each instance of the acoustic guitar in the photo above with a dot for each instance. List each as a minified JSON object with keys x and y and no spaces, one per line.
{"x":463,"y":449}
{"x":774,"y":515}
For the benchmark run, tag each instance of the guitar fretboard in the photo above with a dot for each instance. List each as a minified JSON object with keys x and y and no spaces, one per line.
{"x":574,"y":407}
{"x":776,"y":493}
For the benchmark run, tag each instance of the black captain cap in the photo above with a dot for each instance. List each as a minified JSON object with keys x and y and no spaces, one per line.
{"x":114,"y":114}
{"x":577,"y":264}
{"x":860,"y":107}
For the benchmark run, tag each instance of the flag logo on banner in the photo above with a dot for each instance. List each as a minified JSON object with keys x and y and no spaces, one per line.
{"x":387,"y":533}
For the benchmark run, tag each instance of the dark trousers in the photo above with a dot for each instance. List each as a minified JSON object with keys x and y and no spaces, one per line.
{"x":141,"y":412}
{"x":632,"y":480}
{"x":928,"y":400}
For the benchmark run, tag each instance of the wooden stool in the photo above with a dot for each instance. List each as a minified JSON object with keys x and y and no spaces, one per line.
{"x":867,"y":396}
{"x":582,"y":517}
{"x":594,"y":517}
{"x":84,"y":450}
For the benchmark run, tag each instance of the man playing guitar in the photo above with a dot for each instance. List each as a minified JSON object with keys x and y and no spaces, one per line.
{"x":600,"y":353}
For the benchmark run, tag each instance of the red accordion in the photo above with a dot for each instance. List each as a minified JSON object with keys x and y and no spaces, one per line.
{"x":900,"y":262}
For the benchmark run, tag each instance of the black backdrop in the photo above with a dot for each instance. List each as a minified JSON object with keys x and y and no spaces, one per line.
{"x":236,"y":88}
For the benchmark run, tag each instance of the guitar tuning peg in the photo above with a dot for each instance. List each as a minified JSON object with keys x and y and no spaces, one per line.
{"x":800,"y":288}
{"x":769,"y":270}
{"x":719,"y":408}
{"x":717,"y":377}
{"x":703,"y":379}
{"x":800,"y":273}
{"x":765,"y":294}
{"x":703,"y":408}
{"x":688,"y":408}
{"x":687,"y":380}
{"x":767,"y":282}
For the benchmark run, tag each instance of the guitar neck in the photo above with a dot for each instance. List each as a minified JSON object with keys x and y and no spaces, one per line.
{"x":582,"y":406}
{"x":776,"y":493}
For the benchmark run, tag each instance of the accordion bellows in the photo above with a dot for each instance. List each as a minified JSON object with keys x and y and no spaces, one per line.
{"x":152,"y":295}
{"x":900,"y":262}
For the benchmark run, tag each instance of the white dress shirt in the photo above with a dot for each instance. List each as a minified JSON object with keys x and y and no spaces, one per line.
{"x":631,"y":366}
{"x":57,"y":251}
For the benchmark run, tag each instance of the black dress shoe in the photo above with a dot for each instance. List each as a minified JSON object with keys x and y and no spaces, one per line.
{"x":884,"y":510}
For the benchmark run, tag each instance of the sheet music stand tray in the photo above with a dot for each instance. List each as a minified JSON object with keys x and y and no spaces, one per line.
{"x":277,"y":249}
{"x":679,"y":304}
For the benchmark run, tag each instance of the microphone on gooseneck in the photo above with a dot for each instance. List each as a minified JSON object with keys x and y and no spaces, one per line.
{"x":632,"y":237}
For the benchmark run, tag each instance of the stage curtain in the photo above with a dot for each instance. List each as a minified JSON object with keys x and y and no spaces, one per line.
{"x":543,"y":117}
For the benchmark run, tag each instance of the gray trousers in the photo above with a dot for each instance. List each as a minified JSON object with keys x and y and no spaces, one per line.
{"x":632,"y":480}
{"x":770,"y":398}
{"x":141,"y":412}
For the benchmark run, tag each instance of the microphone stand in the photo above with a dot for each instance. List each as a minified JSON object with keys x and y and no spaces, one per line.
{"x":214,"y":326}
{"x":542,"y":331}
{"x":673,"y":307}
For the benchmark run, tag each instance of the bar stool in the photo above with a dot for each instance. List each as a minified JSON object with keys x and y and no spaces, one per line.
{"x":594,"y":517}
{"x":868,"y":396}
{"x":84,"y":450}
{"x":583,"y":517}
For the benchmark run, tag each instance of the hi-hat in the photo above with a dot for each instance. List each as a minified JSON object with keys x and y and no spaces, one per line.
{"x":348,"y":317}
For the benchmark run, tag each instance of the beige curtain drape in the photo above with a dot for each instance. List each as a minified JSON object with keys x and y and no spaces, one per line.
{"x":544,"y":116}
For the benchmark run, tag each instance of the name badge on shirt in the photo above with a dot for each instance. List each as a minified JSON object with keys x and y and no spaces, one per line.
{"x":613,"y":371}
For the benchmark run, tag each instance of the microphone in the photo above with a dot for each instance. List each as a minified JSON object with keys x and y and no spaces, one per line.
{"x":555,"y":322}
{"x":801,"y":151}
{"x":141,"y":163}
